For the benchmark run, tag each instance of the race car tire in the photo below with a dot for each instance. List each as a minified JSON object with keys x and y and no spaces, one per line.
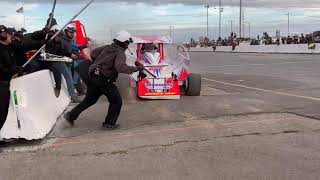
{"x":194,"y":85}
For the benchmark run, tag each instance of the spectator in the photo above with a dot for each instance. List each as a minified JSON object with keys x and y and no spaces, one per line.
{"x":295,"y":40}
{"x":283,"y":40}
{"x":53,"y":21}
{"x":302,"y":39}
{"x":289,"y":40}
{"x":80,"y":87}
{"x":60,"y":46}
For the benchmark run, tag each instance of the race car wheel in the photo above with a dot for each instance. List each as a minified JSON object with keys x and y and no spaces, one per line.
{"x":194,"y":85}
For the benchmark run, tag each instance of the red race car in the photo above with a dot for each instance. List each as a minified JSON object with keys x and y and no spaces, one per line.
{"x":167,"y":72}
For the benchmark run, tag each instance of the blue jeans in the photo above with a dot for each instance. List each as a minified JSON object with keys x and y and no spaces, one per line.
{"x":75,"y":75}
{"x":66,"y":72}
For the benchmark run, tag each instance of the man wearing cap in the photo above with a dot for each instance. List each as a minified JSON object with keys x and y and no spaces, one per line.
{"x":109,"y":61}
{"x":61,"y":45}
{"x":20,"y":47}
{"x":8,"y":70}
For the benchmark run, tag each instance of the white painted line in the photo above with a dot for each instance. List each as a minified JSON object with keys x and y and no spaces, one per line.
{"x":263,"y":90}
{"x":239,"y":65}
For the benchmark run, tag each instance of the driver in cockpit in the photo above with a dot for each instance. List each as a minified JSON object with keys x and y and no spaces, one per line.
{"x":150,"y":54}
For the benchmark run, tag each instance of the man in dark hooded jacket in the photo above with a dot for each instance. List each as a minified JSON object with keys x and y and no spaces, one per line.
{"x":8,"y":70}
{"x":109,"y":61}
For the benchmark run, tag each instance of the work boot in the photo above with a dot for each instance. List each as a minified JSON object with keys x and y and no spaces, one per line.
{"x":110,"y":127}
{"x":76,"y":99}
{"x":57,"y":92}
{"x":67,"y":117}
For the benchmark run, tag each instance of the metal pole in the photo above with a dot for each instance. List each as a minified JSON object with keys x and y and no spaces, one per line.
{"x":111,"y":35}
{"x":243,"y":26}
{"x":288,"y":24}
{"x":207,"y":6}
{"x":51,"y":16}
{"x":240,"y":22}
{"x":170,"y":31}
{"x":249,"y":30}
{"x":249,"y":26}
{"x":75,"y":16}
{"x":220,"y":11}
{"x":231,"y":26}
{"x":24,"y":20}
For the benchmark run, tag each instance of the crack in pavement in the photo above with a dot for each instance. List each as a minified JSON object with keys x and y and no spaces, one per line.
{"x":127,"y":151}
{"x":52,"y":140}
{"x":200,"y":117}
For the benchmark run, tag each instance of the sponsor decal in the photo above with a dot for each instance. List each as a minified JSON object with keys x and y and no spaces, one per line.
{"x":157,"y":86}
{"x":159,"y":94}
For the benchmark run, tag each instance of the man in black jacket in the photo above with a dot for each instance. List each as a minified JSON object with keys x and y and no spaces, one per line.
{"x":61,"y":45}
{"x":109,"y":61}
{"x":8,"y":70}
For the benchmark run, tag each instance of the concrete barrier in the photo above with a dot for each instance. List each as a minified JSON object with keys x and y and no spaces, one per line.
{"x":281,"y":49}
{"x":34,"y":109}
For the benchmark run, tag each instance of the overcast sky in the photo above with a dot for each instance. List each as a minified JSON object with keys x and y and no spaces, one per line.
{"x":187,"y":18}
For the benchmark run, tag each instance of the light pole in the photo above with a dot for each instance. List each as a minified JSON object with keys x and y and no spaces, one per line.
{"x":249,"y":28}
{"x":288,"y":14}
{"x":220,"y":11}
{"x":243,"y":26}
{"x":207,"y":6}
{"x":111,"y":35}
{"x":231,"y":26}
{"x":240,"y":21}
{"x":220,"y":15}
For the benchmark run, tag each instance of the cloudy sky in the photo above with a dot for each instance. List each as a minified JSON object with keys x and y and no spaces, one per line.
{"x":187,"y":18}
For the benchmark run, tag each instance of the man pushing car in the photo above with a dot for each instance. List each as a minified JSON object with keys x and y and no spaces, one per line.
{"x":108,"y":62}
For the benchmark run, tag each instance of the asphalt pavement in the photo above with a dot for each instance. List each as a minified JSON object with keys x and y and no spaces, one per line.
{"x":257,"y":118}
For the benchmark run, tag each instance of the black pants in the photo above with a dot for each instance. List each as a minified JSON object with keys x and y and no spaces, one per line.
{"x":37,"y":65}
{"x":4,"y":103}
{"x":55,"y":71}
{"x":98,"y":86}
{"x":83,"y":70}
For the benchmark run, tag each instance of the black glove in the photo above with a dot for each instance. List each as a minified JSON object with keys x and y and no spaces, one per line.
{"x":19,"y":71}
{"x":142,"y":75}
{"x":140,"y":66}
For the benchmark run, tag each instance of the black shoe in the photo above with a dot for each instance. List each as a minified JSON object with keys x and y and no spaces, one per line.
{"x":110,"y":127}
{"x":57,"y":92}
{"x":67,"y":117}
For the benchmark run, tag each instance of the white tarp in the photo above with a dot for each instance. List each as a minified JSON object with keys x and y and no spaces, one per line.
{"x":37,"y":107}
